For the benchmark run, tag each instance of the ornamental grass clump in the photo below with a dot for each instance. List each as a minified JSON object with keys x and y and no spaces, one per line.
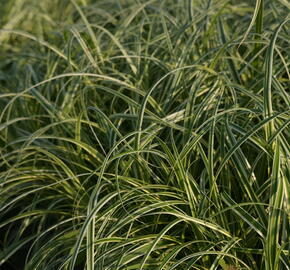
{"x":144,"y":135}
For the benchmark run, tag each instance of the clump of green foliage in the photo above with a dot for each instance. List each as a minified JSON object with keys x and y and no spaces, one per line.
{"x":144,"y":134}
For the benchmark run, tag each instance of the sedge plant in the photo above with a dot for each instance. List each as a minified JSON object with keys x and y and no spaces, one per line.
{"x":144,"y":135}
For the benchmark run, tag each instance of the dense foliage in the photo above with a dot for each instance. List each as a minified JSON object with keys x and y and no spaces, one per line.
{"x":144,"y":134}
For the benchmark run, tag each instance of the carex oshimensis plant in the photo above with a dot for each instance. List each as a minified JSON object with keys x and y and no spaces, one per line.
{"x":144,"y":135}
